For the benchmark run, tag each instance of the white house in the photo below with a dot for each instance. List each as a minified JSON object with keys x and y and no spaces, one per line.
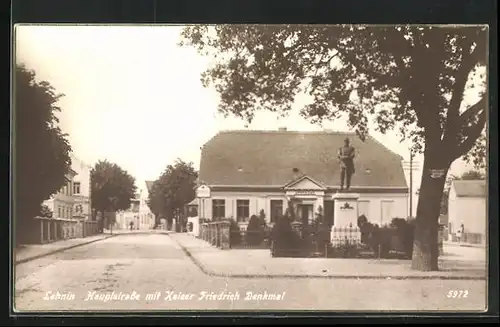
{"x":244,"y":172}
{"x":138,"y":213}
{"x":467,"y":206}
{"x":81,"y":188}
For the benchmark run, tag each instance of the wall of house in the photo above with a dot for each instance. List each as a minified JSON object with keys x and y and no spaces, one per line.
{"x":62,"y":202}
{"x":378,"y":208}
{"x":257,"y":202}
{"x":382,"y":208}
{"x":471,"y":211}
{"x":83,"y":178}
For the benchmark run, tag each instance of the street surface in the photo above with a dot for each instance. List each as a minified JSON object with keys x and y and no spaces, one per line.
{"x":151,"y":272}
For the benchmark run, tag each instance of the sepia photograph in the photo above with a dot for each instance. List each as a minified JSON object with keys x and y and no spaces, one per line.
{"x":250,"y":168}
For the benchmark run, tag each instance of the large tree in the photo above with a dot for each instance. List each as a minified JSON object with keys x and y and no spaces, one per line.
{"x":113,"y":188}
{"x":173,"y":189}
{"x":41,"y":151}
{"x":407,"y":78}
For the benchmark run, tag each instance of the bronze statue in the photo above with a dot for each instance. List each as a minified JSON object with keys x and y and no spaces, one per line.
{"x":346,"y":156}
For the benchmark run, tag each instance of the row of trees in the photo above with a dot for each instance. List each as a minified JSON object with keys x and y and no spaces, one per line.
{"x":113,"y":188}
{"x":42,"y":158}
{"x":175,"y":187}
{"x":410,"y":78}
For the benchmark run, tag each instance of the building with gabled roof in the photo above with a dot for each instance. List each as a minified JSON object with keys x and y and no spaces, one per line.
{"x":467,"y":210}
{"x":249,"y":171}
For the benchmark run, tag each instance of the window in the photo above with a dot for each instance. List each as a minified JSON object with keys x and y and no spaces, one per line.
{"x":364,"y":208}
{"x":76,"y":188}
{"x":218,"y":209}
{"x":242,"y":210}
{"x":70,"y":212}
{"x":59,"y":213}
{"x":276,"y":209}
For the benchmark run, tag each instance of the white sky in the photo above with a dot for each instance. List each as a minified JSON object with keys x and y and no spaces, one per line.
{"x":134,"y":97}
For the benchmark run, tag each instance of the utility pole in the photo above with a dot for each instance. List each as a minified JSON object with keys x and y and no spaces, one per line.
{"x":411,"y":183}
{"x":410,"y":166}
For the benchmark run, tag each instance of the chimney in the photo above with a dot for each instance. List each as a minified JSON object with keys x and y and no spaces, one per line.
{"x":282,"y":129}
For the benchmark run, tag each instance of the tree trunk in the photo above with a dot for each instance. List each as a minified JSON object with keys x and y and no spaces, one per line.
{"x":425,"y":245}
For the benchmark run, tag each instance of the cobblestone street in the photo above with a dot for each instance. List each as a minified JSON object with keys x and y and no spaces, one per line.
{"x":151,"y":272}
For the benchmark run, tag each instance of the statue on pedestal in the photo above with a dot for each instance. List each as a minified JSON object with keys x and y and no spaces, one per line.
{"x":346,"y":156}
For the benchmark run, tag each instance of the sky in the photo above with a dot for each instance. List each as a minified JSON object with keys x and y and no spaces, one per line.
{"x":134,"y":97}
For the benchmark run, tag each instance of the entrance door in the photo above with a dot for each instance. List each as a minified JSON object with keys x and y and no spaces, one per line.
{"x":306,"y":213}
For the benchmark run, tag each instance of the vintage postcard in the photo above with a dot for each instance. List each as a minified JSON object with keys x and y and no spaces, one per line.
{"x":250,"y":167}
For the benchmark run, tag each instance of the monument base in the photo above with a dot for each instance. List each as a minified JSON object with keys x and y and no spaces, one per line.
{"x":345,"y":209}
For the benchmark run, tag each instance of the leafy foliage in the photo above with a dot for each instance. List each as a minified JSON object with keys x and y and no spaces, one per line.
{"x":414,"y":79}
{"x":234,"y":232}
{"x":262,"y":218}
{"x":45,"y":212}
{"x":173,"y":189}
{"x":397,"y":236}
{"x":255,"y":231}
{"x":112,"y":187}
{"x":42,"y":151}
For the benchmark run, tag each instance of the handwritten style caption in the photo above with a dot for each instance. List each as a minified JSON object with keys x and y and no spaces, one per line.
{"x":95,"y":296}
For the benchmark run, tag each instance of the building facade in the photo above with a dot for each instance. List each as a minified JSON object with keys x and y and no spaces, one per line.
{"x":62,"y":203}
{"x":81,"y":189}
{"x":244,"y":172}
{"x":146,"y":217}
{"x":467,"y":207}
{"x":138,"y":213}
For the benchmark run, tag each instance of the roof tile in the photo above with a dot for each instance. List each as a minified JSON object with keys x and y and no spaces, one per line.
{"x":268,"y":158}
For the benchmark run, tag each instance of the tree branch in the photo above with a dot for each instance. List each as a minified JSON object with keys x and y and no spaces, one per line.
{"x":473,"y":132}
{"x":461,"y":77}
{"x":473,"y":110}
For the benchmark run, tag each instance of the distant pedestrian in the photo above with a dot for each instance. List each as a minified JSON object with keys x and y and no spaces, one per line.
{"x":460,"y":233}
{"x":131,"y":225}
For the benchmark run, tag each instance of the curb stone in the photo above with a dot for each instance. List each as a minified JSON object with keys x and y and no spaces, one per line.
{"x":285,"y":276}
{"x":38,"y":256}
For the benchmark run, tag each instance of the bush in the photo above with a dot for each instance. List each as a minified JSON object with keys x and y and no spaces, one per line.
{"x":255,"y":231}
{"x":262,"y":219}
{"x":318,"y":234}
{"x":404,"y":230}
{"x":344,"y":250}
{"x":234,"y":233}
{"x":395,"y":237}
{"x":45,"y":211}
{"x":377,"y":238}
{"x":286,"y":242}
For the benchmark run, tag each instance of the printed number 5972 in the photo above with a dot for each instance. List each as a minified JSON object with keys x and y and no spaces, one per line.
{"x":457,"y":294}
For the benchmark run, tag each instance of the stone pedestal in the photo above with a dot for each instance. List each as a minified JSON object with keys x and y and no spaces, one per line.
{"x":345,"y":209}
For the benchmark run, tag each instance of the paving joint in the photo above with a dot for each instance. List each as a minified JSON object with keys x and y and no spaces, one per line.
{"x":303,"y":276}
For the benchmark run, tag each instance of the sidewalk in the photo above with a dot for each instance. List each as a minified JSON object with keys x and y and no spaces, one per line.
{"x":467,"y":245}
{"x":30,"y":252}
{"x":260,"y":264}
{"x":136,"y":231}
